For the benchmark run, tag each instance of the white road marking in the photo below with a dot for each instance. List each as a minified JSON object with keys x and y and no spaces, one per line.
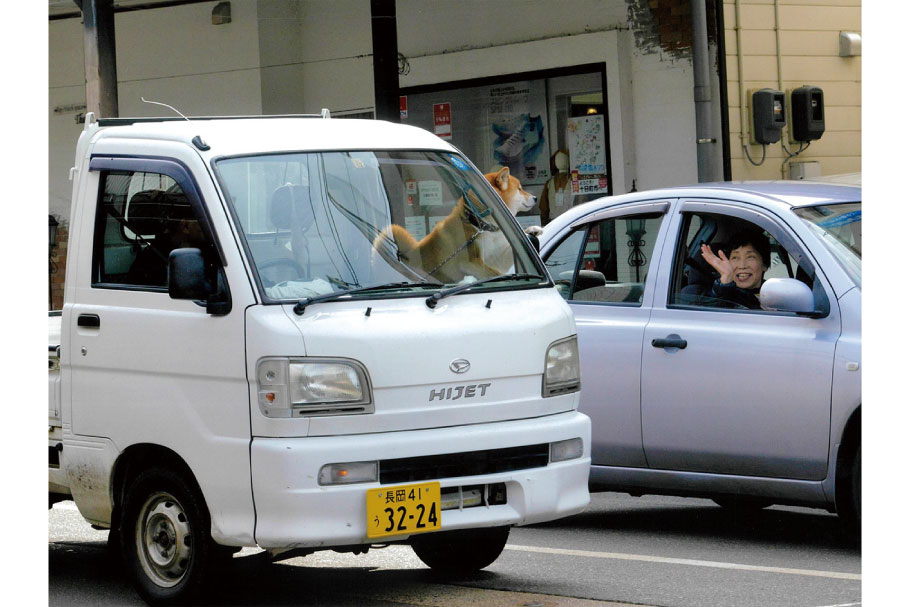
{"x":697,"y":563}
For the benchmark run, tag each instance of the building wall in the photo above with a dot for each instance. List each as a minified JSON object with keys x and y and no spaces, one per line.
{"x":286,"y":56}
{"x":808,"y":48}
{"x":649,"y":80}
{"x":172,"y":55}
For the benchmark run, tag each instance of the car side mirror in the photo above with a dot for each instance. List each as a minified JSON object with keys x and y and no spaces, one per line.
{"x":788,"y":295}
{"x":186,"y":275}
{"x":589,"y":279}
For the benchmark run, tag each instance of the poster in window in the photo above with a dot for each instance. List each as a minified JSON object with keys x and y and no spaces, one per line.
{"x":585,"y":136}
{"x":416,"y":225}
{"x":442,"y":120}
{"x":517,"y":118}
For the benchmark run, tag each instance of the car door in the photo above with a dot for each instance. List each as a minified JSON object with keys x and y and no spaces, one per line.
{"x":750,"y":391}
{"x":602,"y":264}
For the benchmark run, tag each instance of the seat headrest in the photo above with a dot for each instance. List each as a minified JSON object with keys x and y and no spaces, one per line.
{"x":149,"y":212}
{"x":281,"y":203}
{"x":699,"y":271}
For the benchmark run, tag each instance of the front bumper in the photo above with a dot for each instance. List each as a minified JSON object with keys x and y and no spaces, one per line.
{"x":293,"y":511}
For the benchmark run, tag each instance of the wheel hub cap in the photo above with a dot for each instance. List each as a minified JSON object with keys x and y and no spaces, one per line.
{"x":164,"y":540}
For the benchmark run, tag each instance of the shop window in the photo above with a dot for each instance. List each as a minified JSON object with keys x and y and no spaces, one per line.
{"x":521,"y":121}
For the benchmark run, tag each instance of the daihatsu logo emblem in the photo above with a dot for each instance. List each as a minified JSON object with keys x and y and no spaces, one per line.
{"x":459,"y":365}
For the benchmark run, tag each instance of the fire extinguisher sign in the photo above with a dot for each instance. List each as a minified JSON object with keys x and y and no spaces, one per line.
{"x":442,"y":120}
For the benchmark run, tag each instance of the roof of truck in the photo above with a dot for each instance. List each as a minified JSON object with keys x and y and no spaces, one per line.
{"x":250,"y":135}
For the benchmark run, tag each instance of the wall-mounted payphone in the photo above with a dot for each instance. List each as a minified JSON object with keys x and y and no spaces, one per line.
{"x":807,"y":113}
{"x":769,"y":115}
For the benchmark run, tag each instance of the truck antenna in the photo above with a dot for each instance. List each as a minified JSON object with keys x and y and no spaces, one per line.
{"x":144,"y":100}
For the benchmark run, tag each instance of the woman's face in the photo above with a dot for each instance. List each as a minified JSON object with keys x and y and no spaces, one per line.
{"x":748,"y":269}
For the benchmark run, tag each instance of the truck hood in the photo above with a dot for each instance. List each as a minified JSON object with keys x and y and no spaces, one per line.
{"x":408,"y":348}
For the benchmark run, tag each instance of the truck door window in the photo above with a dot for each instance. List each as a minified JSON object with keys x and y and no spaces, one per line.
{"x":612,"y":264}
{"x":142,"y":217}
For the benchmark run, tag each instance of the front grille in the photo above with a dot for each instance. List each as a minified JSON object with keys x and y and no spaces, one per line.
{"x":471,"y":463}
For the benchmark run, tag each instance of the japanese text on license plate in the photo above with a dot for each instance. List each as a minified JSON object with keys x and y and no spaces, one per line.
{"x":403,"y":509}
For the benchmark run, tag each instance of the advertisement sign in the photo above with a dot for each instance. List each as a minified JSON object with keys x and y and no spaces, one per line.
{"x":585,"y":136}
{"x":518,"y":125}
{"x":442,"y":120}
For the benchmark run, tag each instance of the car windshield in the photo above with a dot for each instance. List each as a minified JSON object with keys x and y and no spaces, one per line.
{"x":397,"y":221}
{"x":839,"y":226}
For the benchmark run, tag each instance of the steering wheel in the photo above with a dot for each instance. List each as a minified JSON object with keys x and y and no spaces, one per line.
{"x":275,"y":263}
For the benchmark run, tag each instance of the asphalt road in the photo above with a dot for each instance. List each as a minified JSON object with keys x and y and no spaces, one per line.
{"x":651,"y":551}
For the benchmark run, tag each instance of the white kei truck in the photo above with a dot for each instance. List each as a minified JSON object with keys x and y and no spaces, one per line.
{"x":246,"y":357}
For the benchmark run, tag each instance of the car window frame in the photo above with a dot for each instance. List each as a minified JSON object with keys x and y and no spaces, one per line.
{"x":585,"y":223}
{"x":763,"y":218}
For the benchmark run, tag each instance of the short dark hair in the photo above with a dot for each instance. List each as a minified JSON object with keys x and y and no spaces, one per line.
{"x":754,"y":238}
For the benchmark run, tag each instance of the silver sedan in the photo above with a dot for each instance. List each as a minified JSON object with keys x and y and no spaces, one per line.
{"x":720,"y":340}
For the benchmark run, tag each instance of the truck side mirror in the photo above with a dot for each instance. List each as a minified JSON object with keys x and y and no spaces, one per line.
{"x":788,"y":295}
{"x":186,"y":275}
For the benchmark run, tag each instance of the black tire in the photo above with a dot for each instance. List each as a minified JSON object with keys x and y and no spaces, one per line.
{"x":856,"y":485}
{"x":460,"y":552}
{"x":165,"y":539}
{"x":850,"y":508}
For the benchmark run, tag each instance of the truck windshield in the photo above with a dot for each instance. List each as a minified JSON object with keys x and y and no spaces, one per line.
{"x":402,"y":221}
{"x":839,"y":226}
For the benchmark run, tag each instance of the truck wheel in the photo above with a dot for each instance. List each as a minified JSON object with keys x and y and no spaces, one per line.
{"x":460,"y":552}
{"x":164,"y":537}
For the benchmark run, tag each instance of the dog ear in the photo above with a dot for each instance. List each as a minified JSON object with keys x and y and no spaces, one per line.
{"x":502,"y":178}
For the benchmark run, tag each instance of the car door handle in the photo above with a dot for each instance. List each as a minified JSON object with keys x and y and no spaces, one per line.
{"x":670,"y":341}
{"x":88,"y":320}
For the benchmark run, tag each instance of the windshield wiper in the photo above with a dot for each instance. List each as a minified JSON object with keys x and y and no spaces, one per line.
{"x":433,"y":299}
{"x":301,"y":305}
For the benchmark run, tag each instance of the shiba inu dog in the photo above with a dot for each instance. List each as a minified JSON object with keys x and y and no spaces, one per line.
{"x":462,"y":244}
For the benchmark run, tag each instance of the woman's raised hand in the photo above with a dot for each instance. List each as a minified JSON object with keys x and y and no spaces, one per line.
{"x":718,"y":262}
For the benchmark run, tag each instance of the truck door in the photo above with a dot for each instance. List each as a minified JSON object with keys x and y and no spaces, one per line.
{"x":750,"y":393}
{"x":146,"y":368}
{"x":603,"y":267}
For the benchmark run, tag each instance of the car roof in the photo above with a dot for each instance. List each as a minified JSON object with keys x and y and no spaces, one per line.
{"x":779,"y":195}
{"x":793,"y":193}
{"x":252,"y":135}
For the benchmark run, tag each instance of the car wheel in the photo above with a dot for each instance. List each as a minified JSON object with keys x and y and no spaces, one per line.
{"x":850,"y":509}
{"x":856,"y":484}
{"x":164,"y":537}
{"x":460,"y":552}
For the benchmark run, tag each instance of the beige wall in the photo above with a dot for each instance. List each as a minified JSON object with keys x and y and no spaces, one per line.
{"x":809,"y":47}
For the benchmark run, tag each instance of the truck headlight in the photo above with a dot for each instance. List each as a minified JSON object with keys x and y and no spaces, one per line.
{"x":562,"y":373}
{"x":312,"y":386}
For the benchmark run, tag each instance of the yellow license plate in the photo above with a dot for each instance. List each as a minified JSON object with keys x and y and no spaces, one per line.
{"x":403,"y":509}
